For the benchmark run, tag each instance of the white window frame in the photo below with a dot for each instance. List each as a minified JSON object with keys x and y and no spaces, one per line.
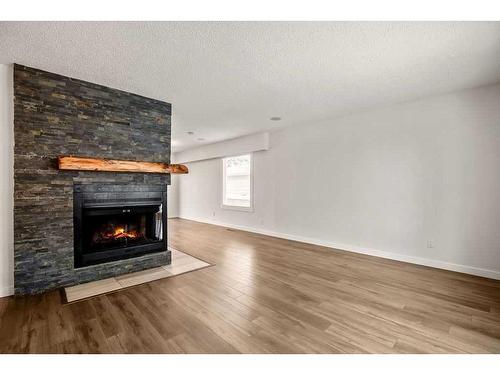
{"x":223,"y":189}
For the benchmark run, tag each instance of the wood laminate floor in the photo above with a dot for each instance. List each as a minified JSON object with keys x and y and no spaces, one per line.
{"x":266,"y":295}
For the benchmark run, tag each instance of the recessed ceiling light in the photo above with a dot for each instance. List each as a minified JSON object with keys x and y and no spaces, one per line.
{"x":190,"y":133}
{"x":275,"y":118}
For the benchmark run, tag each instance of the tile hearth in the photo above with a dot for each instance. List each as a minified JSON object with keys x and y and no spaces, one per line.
{"x":181,"y":263}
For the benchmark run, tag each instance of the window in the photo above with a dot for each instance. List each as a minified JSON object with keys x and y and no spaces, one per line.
{"x":237,"y":182}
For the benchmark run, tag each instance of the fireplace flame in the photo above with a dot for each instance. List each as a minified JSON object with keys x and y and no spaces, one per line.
{"x":111,"y":232}
{"x":120,"y":232}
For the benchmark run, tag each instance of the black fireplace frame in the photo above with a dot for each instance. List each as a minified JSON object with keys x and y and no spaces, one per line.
{"x":115,"y":196}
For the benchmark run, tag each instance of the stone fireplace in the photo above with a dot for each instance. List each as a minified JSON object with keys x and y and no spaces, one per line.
{"x":70,"y":226}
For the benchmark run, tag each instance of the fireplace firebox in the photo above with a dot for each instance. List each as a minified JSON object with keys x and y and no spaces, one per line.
{"x":118,"y":222}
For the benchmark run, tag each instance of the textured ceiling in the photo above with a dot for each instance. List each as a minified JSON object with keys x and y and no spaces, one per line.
{"x":226,"y":79}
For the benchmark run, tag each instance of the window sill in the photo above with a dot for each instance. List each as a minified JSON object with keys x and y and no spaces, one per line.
{"x":237,"y":208}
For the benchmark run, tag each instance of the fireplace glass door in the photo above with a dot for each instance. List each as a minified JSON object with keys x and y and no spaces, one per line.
{"x":114,"y":228}
{"x":112,"y":223}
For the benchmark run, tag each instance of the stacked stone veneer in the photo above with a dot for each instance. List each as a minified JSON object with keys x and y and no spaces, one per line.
{"x":56,"y":115}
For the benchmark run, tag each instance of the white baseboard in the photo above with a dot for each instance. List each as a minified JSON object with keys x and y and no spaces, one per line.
{"x":6,"y":291}
{"x":492,"y":274}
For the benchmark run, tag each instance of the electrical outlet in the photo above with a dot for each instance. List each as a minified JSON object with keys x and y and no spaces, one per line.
{"x":213,"y":213}
{"x":430,"y":244}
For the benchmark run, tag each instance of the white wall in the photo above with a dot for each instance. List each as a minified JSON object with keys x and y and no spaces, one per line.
{"x":240,"y":145}
{"x":173,"y":197}
{"x":6,"y":181}
{"x":384,"y":182}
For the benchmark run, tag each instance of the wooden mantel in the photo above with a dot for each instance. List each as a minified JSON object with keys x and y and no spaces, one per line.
{"x":74,"y":163}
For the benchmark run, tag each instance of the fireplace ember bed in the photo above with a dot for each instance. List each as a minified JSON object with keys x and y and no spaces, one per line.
{"x":113,"y":223}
